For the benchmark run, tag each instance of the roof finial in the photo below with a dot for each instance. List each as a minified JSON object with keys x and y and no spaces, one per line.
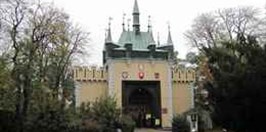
{"x":168,"y":24}
{"x":169,"y":39}
{"x":149,"y":23}
{"x":128,"y":24}
{"x":109,"y":23}
{"x":109,"y":36}
{"x":123,"y":24}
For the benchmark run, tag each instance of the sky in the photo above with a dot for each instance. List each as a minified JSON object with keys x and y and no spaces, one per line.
{"x":93,"y":17}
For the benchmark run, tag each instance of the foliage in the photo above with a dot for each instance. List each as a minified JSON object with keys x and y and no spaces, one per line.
{"x":40,"y":44}
{"x":180,"y":124}
{"x":6,"y":90}
{"x":127,"y":123}
{"x":101,"y":115}
{"x":90,"y":125}
{"x":201,"y":94}
{"x":238,"y":87}
{"x":106,"y":113}
{"x":236,"y":61}
{"x":53,"y":120}
{"x":191,"y":57}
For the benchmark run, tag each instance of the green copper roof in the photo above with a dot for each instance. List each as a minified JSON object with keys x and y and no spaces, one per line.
{"x":139,"y":41}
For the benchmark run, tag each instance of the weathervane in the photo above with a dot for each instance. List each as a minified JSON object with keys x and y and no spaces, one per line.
{"x":149,"y":23}
{"x":109,"y":23}
{"x":168,"y":23}
{"x":128,"y":24}
{"x":149,"y":20}
{"x":123,"y":24}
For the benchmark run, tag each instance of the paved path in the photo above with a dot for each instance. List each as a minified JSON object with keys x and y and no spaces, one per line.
{"x":150,"y":130}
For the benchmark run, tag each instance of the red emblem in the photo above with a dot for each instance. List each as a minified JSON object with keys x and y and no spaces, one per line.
{"x":141,"y":75}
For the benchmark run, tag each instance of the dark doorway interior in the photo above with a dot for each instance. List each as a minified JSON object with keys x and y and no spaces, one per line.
{"x":142,"y":101}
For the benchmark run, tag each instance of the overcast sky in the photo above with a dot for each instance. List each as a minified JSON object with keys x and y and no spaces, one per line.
{"x":92,"y":16}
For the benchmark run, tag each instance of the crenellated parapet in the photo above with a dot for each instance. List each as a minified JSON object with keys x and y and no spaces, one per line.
{"x":89,"y":74}
{"x":183,"y":75}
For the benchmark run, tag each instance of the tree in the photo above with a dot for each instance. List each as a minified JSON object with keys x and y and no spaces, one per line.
{"x":191,"y":57}
{"x":235,"y":58}
{"x":210,"y":29}
{"x":6,"y":90}
{"x":43,"y":43}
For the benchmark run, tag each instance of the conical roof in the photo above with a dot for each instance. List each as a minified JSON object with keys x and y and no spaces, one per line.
{"x":136,"y":7}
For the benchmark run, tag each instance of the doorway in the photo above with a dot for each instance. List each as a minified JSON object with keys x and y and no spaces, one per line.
{"x":142,"y":101}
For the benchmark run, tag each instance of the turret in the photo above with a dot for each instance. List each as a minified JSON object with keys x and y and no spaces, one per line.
{"x":169,"y":38}
{"x":109,"y":44}
{"x":108,"y":38}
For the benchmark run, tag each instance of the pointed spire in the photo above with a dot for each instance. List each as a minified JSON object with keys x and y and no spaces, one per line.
{"x":169,"y":39}
{"x":136,"y":25}
{"x":136,"y":7}
{"x":151,"y":39}
{"x":109,"y":36}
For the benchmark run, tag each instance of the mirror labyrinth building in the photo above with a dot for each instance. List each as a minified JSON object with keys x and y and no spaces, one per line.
{"x":141,"y":76}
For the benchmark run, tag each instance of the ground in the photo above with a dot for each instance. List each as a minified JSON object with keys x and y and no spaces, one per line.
{"x":160,"y":130}
{"x":151,"y":130}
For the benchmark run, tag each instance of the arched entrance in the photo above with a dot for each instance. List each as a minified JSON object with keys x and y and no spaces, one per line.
{"x":141,"y":100}
{"x":140,"y":96}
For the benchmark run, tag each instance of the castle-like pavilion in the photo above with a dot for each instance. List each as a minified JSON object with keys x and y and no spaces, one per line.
{"x":139,"y":73}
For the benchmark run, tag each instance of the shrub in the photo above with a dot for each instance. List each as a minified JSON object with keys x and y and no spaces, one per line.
{"x":89,"y":125}
{"x":105,"y":112}
{"x":52,"y":121}
{"x":127,"y":123}
{"x":180,"y":124}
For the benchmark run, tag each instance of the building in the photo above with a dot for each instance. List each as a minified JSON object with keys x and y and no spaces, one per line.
{"x":140,"y":75}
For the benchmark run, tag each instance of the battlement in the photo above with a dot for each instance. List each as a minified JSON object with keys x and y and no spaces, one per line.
{"x":183,"y":75}
{"x":89,"y":74}
{"x":99,"y":74}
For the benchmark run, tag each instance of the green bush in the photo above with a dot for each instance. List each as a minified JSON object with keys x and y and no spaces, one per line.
{"x":180,"y":124}
{"x":105,"y":112}
{"x":89,"y":125}
{"x":127,"y":123}
{"x":53,"y":120}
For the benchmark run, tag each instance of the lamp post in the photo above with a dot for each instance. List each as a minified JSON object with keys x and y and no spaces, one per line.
{"x":194,"y":122}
